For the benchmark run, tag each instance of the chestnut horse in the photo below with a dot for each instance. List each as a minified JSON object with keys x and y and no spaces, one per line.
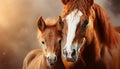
{"x":90,"y":42}
{"x":50,"y":42}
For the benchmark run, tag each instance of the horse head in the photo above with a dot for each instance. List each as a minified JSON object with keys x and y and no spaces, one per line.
{"x":78,"y":15}
{"x":50,"y":39}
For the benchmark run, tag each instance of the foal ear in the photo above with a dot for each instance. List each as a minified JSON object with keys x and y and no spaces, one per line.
{"x":65,"y":1}
{"x":60,"y":24}
{"x":41,"y":24}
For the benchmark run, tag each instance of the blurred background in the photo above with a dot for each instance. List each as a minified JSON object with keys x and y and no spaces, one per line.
{"x":18,"y":32}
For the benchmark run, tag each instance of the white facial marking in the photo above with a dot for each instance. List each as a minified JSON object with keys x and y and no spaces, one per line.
{"x":72,"y":20}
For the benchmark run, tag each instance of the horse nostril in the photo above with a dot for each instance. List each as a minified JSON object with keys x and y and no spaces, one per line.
{"x":48,"y":58}
{"x":73,"y":53}
{"x":65,"y":52}
{"x":51,"y":64}
{"x":55,"y":59}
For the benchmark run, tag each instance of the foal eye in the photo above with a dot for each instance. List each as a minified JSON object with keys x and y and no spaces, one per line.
{"x":85,"y":23}
{"x":43,"y":42}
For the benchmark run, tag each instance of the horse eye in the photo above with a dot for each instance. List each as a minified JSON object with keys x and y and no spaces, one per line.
{"x":85,"y":23}
{"x":59,"y":41}
{"x":43,"y":42}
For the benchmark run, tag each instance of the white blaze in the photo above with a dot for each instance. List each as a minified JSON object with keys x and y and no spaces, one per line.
{"x":72,"y":20}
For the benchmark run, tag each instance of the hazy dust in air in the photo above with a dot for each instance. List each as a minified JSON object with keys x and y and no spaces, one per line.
{"x":18,"y":32}
{"x":112,"y":7}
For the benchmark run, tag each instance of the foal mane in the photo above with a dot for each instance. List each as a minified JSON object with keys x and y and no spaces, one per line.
{"x":106,"y":33}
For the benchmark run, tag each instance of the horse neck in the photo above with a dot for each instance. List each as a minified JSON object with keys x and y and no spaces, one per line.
{"x":105,"y":32}
{"x":42,"y":62}
{"x":104,"y":36}
{"x":91,"y":52}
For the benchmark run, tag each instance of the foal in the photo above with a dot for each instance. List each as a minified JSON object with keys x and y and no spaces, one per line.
{"x":50,"y":41}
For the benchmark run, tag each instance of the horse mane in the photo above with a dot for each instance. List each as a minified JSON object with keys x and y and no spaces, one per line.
{"x":76,"y":4}
{"x":106,"y":33}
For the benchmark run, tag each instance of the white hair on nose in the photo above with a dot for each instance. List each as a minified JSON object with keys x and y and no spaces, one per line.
{"x":72,"y":20}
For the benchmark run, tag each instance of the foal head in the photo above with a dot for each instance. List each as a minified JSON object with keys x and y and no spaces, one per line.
{"x":50,"y":39}
{"x":79,"y":32}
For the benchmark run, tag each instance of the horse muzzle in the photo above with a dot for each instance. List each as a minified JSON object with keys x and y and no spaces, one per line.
{"x":51,"y":60}
{"x":70,"y":56}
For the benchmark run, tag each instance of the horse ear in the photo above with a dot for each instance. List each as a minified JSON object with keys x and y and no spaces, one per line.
{"x":60,"y":24}
{"x":41,"y":24}
{"x":65,"y":1}
{"x":90,"y":2}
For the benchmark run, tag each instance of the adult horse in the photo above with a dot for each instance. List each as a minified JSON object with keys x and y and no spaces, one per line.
{"x":50,"y":42}
{"x":90,"y":42}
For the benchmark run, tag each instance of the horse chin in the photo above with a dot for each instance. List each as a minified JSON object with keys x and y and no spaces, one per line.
{"x":71,"y":60}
